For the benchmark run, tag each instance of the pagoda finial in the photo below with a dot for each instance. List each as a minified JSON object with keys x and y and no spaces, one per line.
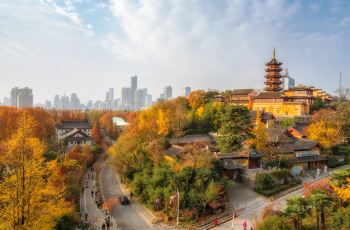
{"x":274,"y":53}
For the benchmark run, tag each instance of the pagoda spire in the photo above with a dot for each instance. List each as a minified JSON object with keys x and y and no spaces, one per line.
{"x":274,"y":53}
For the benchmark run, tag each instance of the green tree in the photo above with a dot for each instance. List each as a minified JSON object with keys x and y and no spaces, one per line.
{"x":275,"y":223}
{"x":263,"y":181}
{"x":235,"y":128}
{"x":319,"y":201}
{"x":318,"y":104}
{"x":297,"y":208}
{"x":341,"y":219}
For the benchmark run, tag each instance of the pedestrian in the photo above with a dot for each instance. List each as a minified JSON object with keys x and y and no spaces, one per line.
{"x":103,"y":226}
{"x":92,"y":193}
{"x":86,"y":216}
{"x":108,"y":225}
{"x":251,"y":228}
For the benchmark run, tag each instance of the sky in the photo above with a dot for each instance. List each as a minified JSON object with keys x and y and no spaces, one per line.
{"x":87,"y":46}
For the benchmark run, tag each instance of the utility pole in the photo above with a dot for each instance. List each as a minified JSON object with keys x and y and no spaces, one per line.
{"x":178,"y":205}
{"x":340,"y":88}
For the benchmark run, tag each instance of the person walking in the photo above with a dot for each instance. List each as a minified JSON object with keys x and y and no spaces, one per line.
{"x":92,"y":193}
{"x":103,"y":226}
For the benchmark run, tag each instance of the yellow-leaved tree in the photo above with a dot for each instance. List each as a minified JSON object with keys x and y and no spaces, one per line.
{"x":325,"y":128}
{"x":343,"y":192}
{"x":27,"y":201}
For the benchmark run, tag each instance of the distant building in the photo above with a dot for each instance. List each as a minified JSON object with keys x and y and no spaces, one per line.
{"x":110,"y":99}
{"x":47,"y":104}
{"x":21,"y":98}
{"x":65,"y":103}
{"x":186,"y":91}
{"x":126,"y":98}
{"x":6,"y":101}
{"x":74,"y":132}
{"x":287,"y":81}
{"x":74,"y":101}
{"x":149,"y":100}
{"x":57,"y":102}
{"x":168,"y":92}
{"x":140,"y":98}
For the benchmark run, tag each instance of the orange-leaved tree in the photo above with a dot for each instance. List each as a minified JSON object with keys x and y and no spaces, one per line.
{"x":27,"y":200}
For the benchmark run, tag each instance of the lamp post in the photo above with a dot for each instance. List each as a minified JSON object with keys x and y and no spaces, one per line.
{"x":178,"y":204}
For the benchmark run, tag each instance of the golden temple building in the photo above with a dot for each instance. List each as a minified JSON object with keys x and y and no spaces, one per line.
{"x":292,"y":102}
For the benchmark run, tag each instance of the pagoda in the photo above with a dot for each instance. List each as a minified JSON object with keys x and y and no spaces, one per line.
{"x":273,"y":77}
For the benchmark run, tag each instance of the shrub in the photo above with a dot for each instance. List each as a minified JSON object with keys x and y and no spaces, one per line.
{"x":332,"y":161}
{"x":263,"y":181}
{"x":275,"y":223}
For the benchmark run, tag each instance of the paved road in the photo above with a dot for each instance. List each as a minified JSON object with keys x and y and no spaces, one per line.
{"x":128,"y":217}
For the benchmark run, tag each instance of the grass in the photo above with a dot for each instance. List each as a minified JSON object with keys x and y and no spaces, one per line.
{"x":276,"y":189}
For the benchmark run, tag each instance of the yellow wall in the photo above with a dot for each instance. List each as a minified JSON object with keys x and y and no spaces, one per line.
{"x":279,"y":109}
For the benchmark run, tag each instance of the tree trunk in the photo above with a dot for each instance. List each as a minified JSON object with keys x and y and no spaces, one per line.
{"x":318,"y":221}
{"x":323,"y":220}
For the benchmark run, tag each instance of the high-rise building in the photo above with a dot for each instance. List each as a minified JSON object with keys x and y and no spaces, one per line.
{"x":57,"y":102}
{"x":167,"y":92}
{"x":47,"y":104}
{"x":287,"y":81}
{"x":65,"y":105}
{"x":148,"y":101}
{"x":140,"y":98}
{"x":134,"y":83}
{"x":74,"y":101}
{"x":110,"y":99}
{"x":186,"y":91}
{"x":21,"y":97}
{"x":126,"y":93}
{"x":6,"y":101}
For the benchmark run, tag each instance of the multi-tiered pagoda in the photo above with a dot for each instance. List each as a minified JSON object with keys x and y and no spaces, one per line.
{"x":273,"y":77}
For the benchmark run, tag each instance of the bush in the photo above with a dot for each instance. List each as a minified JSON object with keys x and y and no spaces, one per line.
{"x":276,"y":189}
{"x":282,"y":174}
{"x":332,"y":161}
{"x":341,"y":219}
{"x":263,"y":181}
{"x":275,"y":223}
{"x":67,"y":222}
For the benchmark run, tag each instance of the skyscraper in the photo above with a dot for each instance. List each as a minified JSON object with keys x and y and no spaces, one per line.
{"x":287,"y":81}
{"x":110,"y":98}
{"x":126,"y":93}
{"x":186,"y":91}
{"x":57,"y":102}
{"x":21,"y":97}
{"x":65,"y":102}
{"x":168,"y":92}
{"x":134,"y":83}
{"x":74,"y":101}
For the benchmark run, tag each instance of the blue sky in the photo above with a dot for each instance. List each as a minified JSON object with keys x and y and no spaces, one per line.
{"x":87,"y":46}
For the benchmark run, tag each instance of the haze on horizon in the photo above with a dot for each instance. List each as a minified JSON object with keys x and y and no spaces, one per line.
{"x":87,"y":46}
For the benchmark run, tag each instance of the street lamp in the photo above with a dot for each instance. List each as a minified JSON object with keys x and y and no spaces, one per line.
{"x":178,"y":204}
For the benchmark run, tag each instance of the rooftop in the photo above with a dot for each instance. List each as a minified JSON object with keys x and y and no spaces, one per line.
{"x":85,"y":124}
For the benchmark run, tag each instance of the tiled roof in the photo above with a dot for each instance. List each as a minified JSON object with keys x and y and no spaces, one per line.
{"x":304,"y":144}
{"x":75,"y":124}
{"x":269,"y":95}
{"x":297,"y":160}
{"x":241,"y":91}
{"x":188,"y":139}
{"x":264,"y":115}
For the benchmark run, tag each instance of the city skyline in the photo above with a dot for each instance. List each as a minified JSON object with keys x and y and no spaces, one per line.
{"x":205,"y":44}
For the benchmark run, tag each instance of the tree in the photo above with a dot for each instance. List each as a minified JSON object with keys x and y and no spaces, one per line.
{"x":260,"y":140}
{"x":196,"y":99}
{"x":287,"y":122}
{"x":235,"y":128}
{"x":178,"y":122}
{"x":325,"y":128}
{"x":343,"y":191}
{"x":341,"y":219}
{"x":319,"y":201}
{"x":297,"y":208}
{"x":318,"y":104}
{"x":263,"y":181}
{"x":275,"y":223}
{"x":26,"y":198}
{"x":96,"y":133}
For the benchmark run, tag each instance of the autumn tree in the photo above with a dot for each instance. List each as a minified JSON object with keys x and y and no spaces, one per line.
{"x":325,"y":128}
{"x":178,"y":122}
{"x":96,"y":133}
{"x":235,"y":128}
{"x":196,"y":99}
{"x":260,"y":140}
{"x":26,"y":200}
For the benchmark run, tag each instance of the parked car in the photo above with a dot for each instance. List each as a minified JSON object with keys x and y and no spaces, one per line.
{"x":124,"y":200}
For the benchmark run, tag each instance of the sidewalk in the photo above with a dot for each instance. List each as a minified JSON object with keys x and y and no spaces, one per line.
{"x":96,"y":216}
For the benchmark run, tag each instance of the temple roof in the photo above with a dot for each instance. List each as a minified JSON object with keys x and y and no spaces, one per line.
{"x":241,"y":91}
{"x":74,"y":124}
{"x":268,"y":95}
